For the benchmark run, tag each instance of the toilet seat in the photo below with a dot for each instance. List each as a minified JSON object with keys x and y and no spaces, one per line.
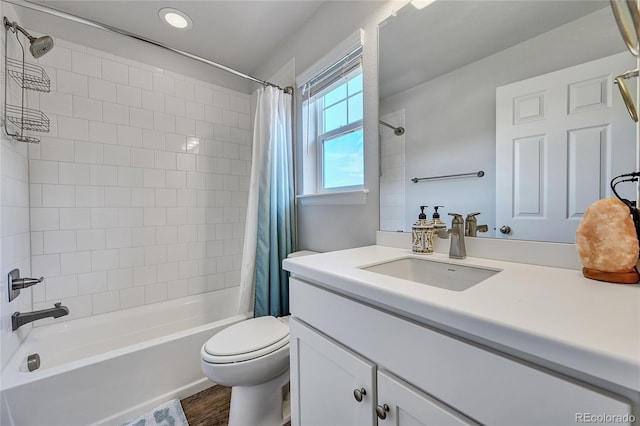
{"x":246,"y":340}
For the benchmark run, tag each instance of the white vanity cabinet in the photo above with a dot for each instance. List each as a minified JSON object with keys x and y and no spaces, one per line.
{"x":425,"y":376}
{"x":334,"y":386}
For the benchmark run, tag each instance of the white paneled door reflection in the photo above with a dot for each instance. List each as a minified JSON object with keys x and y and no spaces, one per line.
{"x":560,"y":136}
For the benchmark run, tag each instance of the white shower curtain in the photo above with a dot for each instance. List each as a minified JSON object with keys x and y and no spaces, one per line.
{"x":270,"y":226}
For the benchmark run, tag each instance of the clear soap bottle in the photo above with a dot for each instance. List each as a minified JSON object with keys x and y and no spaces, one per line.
{"x":437,"y":222}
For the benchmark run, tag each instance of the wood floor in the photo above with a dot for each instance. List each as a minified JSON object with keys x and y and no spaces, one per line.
{"x":209,"y":407}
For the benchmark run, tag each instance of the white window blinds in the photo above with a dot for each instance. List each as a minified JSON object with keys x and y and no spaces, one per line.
{"x":333,"y":74}
{"x":344,"y":50}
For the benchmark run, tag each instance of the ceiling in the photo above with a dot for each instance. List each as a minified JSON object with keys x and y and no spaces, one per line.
{"x":450,"y":34}
{"x":237,"y":33}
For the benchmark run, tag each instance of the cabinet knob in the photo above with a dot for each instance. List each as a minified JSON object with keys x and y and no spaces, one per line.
{"x":358,"y":394}
{"x":381,"y":411}
{"x":506,"y":229}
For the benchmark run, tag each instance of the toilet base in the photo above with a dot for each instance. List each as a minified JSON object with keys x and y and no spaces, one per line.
{"x":258,"y":405}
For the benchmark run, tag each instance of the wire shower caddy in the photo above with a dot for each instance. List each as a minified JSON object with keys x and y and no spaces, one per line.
{"x":28,"y":77}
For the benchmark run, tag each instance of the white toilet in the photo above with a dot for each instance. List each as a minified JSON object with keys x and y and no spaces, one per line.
{"x":252,"y":357}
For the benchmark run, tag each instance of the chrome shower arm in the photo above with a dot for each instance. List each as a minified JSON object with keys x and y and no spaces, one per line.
{"x":17,"y":27}
{"x":23,"y":31}
{"x":399,"y":131}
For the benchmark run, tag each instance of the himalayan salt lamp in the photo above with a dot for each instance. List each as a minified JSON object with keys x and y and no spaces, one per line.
{"x":607,"y":242}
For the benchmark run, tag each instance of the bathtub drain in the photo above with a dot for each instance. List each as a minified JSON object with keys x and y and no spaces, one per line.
{"x":33,"y":362}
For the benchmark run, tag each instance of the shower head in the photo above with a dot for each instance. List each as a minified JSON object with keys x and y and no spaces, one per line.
{"x":38,"y":45}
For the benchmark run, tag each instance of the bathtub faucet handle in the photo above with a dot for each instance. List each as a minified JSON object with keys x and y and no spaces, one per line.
{"x":17,"y":283}
{"x":22,"y":283}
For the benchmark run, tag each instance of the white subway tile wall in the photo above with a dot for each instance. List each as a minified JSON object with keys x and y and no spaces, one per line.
{"x":15,"y":239}
{"x":139,"y":192}
{"x":392,"y":175}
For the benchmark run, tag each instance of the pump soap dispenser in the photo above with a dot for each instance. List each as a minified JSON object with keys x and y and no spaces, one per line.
{"x":437,"y":222}
{"x":422,"y":234}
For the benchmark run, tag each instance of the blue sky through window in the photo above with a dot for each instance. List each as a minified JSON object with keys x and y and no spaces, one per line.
{"x":335,"y":116}
{"x":343,"y":160}
{"x":343,"y":105}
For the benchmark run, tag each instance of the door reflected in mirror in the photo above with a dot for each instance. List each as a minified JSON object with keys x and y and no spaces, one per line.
{"x":522,"y":90}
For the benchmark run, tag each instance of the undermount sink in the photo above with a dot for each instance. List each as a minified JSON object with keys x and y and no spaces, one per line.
{"x":430,"y":272}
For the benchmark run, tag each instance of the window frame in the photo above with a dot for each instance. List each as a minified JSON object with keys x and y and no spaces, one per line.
{"x":321,"y":138}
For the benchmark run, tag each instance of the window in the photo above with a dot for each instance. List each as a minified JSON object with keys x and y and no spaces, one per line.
{"x":332,"y":122}
{"x":340,"y":144}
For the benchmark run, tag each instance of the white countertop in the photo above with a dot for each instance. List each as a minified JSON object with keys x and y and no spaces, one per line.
{"x":552,"y":314}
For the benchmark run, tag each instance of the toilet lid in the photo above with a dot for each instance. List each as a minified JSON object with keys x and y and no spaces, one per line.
{"x":247,"y":339}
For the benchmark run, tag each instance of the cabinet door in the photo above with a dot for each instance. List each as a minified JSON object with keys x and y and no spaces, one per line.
{"x":409,"y":406}
{"x":324,"y":376}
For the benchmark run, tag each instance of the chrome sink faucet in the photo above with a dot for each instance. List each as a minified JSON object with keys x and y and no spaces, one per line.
{"x":18,"y":319}
{"x":471,"y":227}
{"x":457,"y":249}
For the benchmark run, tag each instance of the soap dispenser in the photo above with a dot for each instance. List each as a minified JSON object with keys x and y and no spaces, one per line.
{"x":437,"y":222}
{"x":422,"y":234}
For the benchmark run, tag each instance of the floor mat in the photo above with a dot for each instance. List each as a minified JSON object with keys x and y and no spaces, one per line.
{"x":168,"y":414}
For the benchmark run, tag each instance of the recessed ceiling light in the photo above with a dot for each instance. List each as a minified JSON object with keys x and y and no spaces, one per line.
{"x":175,"y":18}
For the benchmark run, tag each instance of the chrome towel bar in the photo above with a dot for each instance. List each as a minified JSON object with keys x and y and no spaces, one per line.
{"x":459,"y":175}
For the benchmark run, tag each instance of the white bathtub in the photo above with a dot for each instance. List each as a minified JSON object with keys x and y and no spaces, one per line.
{"x":109,"y":368}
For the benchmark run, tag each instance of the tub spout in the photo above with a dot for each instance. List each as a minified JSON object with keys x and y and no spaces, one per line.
{"x":18,"y":319}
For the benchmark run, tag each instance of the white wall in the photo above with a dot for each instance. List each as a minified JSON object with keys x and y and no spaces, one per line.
{"x":139,"y":192}
{"x":324,"y":228}
{"x":450,"y":121}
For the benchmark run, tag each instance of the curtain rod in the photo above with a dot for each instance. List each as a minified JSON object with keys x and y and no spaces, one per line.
{"x":94,"y":24}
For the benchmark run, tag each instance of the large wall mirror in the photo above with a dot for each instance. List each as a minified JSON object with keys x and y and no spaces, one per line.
{"x":522,"y":91}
